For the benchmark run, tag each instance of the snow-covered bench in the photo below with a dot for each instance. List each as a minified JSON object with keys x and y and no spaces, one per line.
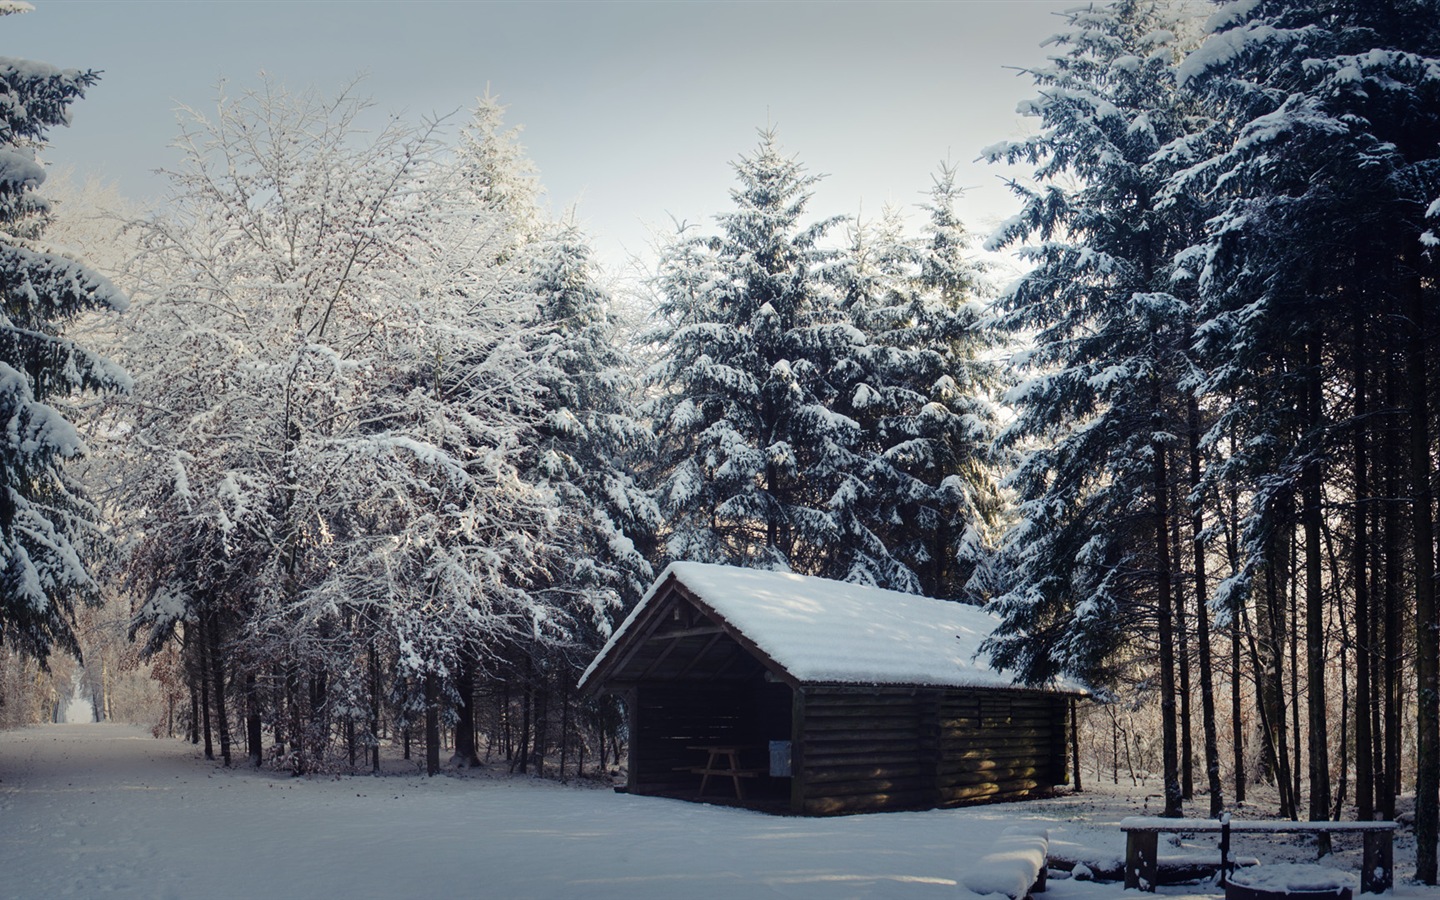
{"x":1142,"y":838}
{"x":1014,"y":867}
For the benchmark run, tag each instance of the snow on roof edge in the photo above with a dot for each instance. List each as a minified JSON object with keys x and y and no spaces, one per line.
{"x":821,"y":631}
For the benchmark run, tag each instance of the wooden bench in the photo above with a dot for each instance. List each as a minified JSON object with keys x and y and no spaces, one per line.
{"x":1377,"y":869}
{"x":1015,"y":866}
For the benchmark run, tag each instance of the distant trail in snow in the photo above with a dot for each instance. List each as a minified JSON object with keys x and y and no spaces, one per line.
{"x":79,"y":709}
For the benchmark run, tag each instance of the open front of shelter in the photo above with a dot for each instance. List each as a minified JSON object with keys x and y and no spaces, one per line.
{"x":797,"y":694}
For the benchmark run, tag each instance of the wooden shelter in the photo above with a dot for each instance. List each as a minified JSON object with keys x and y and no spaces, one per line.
{"x":803,"y":695}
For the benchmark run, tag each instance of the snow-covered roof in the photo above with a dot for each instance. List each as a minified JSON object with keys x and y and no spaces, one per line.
{"x":832,"y":632}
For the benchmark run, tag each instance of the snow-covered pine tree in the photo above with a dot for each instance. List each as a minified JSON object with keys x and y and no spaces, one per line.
{"x":492,"y":173}
{"x":924,"y":396}
{"x":758,"y":466}
{"x":591,"y":439}
{"x":48,"y":529}
{"x":1090,"y":562}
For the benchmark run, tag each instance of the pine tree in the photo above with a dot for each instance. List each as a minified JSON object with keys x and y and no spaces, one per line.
{"x":589,"y":442}
{"x":925,"y":401}
{"x":1091,"y":562}
{"x":49,"y":531}
{"x":762,"y":463}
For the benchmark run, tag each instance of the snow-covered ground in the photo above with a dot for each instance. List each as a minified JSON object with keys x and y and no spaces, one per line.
{"x":107,"y":811}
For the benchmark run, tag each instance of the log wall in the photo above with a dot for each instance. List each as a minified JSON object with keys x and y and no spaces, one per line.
{"x":885,"y":748}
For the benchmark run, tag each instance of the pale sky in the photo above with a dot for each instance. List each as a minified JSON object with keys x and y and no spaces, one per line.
{"x":632,"y":111}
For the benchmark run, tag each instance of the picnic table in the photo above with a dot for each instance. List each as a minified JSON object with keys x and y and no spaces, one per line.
{"x":1142,"y":841}
{"x":723,"y":760}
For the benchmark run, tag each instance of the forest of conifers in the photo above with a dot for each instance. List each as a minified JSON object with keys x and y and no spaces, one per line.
{"x":352,"y":445}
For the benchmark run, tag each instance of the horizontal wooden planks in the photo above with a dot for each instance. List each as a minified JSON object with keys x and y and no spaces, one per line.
{"x":903,"y":748}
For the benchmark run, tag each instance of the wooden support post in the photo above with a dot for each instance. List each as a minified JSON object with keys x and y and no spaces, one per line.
{"x":1377,"y":868}
{"x":1075,"y":743}
{"x":1141,"y":866}
{"x":1226,"y":866}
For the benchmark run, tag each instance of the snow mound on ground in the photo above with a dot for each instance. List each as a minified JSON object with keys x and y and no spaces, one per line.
{"x":1287,"y":877}
{"x":1013,"y":866}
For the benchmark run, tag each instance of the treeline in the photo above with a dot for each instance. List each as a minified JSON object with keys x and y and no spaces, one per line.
{"x":380,"y":467}
{"x":1228,"y":435}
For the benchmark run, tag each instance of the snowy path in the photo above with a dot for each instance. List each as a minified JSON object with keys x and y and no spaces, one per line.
{"x":107,"y":811}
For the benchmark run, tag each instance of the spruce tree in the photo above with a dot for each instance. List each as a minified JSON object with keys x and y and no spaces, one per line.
{"x":590,"y":439}
{"x":925,"y":401}
{"x":1091,"y":562}
{"x":48,"y":529}
{"x":760,"y":464}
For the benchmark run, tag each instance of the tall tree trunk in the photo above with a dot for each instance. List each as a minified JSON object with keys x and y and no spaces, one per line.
{"x":527,"y":695}
{"x":1310,"y":497}
{"x":1271,"y":732}
{"x":564,"y":721}
{"x":253,"y":736}
{"x":297,"y":723}
{"x":1274,"y":678}
{"x":1394,"y":554}
{"x":465,"y":756}
{"x":1427,"y":642}
{"x":1202,"y":619}
{"x":1364,"y":701}
{"x":1168,"y":729}
{"x":542,"y":723}
{"x":432,"y":723}
{"x":1182,"y":653}
{"x":204,"y":675}
{"x":374,"y":708}
{"x":1237,"y":714}
{"x":282,"y":709}
{"x":1293,"y":593}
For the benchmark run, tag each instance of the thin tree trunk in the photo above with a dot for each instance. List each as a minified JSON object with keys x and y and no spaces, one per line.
{"x":1342,"y":782}
{"x":374,"y":709}
{"x":193,"y":734}
{"x":1427,"y":642}
{"x":432,"y":724}
{"x":527,"y":694}
{"x":1169,"y":737}
{"x":253,"y":736}
{"x":1182,"y":653}
{"x":1392,"y":535}
{"x":1364,"y":701}
{"x":1114,"y":745}
{"x":1237,"y":715}
{"x":1275,"y":685}
{"x":1310,"y":497}
{"x":1272,"y":740}
{"x":542,"y":724}
{"x":1202,"y":621}
{"x":1293,"y":594}
{"x":282,"y":709}
{"x":204,"y":675}
{"x":564,"y":722}
{"x":1075,"y":743}
{"x":465,"y":756}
